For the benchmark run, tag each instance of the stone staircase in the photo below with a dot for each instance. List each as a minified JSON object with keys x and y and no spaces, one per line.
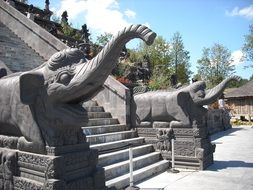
{"x":113,"y":140}
{"x":15,"y":53}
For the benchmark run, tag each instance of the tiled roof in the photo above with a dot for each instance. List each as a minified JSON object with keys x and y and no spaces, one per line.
{"x":243,"y":91}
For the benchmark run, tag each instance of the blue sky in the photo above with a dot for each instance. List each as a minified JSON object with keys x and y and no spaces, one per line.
{"x":200,"y":22}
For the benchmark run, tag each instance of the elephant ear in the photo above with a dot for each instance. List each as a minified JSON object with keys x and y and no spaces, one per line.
{"x":30,"y":85}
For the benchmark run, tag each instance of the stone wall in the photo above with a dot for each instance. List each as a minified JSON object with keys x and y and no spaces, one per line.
{"x":217,"y":120}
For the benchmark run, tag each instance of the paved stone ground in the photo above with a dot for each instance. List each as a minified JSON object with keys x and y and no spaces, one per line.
{"x":232,"y":168}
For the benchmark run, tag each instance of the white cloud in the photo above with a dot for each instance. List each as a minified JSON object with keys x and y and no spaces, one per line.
{"x":130,"y":14}
{"x":237,"y":57}
{"x":99,"y":15}
{"x":244,"y":12}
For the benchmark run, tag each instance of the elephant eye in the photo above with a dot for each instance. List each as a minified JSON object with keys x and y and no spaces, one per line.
{"x":64,"y":78}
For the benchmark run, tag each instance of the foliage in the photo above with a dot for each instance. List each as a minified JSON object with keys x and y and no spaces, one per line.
{"x":236,"y":84}
{"x":159,"y":59}
{"x":180,"y":59}
{"x":215,"y":64}
{"x":103,"y":39}
{"x":158,"y":52}
{"x":70,"y":32}
{"x":135,"y":56}
{"x":240,"y":122}
{"x":251,"y":77}
{"x":121,"y":70}
{"x":197,"y":77}
{"x":248,"y":45}
{"x":160,"y":78}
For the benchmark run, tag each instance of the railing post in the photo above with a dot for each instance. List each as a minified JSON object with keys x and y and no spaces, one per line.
{"x":172,"y":169}
{"x":131,"y":178}
{"x":131,"y":166}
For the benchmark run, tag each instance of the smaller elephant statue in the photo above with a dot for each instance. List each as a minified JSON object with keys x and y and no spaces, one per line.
{"x":182,"y":107}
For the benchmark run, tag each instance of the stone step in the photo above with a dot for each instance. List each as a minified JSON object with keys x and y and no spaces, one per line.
{"x":102,"y":121}
{"x":93,"y":115}
{"x":186,"y":162}
{"x":117,"y":145}
{"x":122,"y":155}
{"x":93,"y":130}
{"x":90,"y":103}
{"x":121,"y":168}
{"x":94,"y":109}
{"x":138,"y":175}
{"x":187,"y":165}
{"x":109,"y":137}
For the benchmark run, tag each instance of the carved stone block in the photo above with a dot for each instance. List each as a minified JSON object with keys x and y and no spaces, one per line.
{"x":193,"y":148}
{"x":73,"y":167}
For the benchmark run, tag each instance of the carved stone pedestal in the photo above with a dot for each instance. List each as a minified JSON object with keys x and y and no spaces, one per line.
{"x":193,"y":148}
{"x":63,"y":168}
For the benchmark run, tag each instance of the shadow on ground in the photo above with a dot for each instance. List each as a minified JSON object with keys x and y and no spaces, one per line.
{"x":225,"y":133}
{"x":219,"y":165}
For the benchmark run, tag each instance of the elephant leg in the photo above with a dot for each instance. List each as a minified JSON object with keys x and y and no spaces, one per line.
{"x":33,"y":147}
{"x":176,"y":124}
{"x":182,"y":114}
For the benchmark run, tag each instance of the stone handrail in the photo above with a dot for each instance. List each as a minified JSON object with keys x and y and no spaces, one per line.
{"x":115,"y":97}
{"x":32,"y":34}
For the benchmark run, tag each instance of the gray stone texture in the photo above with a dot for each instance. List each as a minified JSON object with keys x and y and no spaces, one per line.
{"x":182,"y":111}
{"x":73,"y":167}
{"x":115,"y":98}
{"x":32,"y":34}
{"x":232,"y":168}
{"x":17,"y":55}
{"x":218,"y":120}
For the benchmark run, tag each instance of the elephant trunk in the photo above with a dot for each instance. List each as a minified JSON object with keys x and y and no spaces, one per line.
{"x":213,"y":94}
{"x":91,"y":76}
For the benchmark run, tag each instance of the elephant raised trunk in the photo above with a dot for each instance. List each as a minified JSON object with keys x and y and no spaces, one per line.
{"x":91,"y":75}
{"x":214,"y":93}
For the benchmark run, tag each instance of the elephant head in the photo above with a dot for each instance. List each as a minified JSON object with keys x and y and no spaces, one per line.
{"x":49,"y":112}
{"x":201,"y":96}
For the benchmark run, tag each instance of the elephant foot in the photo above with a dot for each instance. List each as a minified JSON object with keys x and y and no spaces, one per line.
{"x":27,"y":146}
{"x":178,"y":124}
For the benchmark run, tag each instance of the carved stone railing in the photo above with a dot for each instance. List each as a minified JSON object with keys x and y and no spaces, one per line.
{"x":115,"y":98}
{"x":38,"y":39}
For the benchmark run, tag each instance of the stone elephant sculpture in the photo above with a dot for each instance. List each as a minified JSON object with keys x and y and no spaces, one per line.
{"x":42,"y":106}
{"x":182,"y":107}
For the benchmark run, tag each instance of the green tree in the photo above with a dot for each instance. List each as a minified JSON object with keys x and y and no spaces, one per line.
{"x":103,"y":39}
{"x":251,"y":77}
{"x":180,"y":59}
{"x":215,"y":64}
{"x":159,"y":58}
{"x":248,"y":45}
{"x":158,"y":52}
{"x":236,"y":84}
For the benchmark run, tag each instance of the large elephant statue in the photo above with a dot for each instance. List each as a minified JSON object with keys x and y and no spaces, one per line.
{"x":180,"y":108}
{"x":42,"y":106}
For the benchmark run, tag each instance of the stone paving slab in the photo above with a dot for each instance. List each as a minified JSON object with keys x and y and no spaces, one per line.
{"x":232,"y":168}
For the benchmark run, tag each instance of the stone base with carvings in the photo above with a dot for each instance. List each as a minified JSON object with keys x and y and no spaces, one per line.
{"x":63,"y":168}
{"x":193,"y":148}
